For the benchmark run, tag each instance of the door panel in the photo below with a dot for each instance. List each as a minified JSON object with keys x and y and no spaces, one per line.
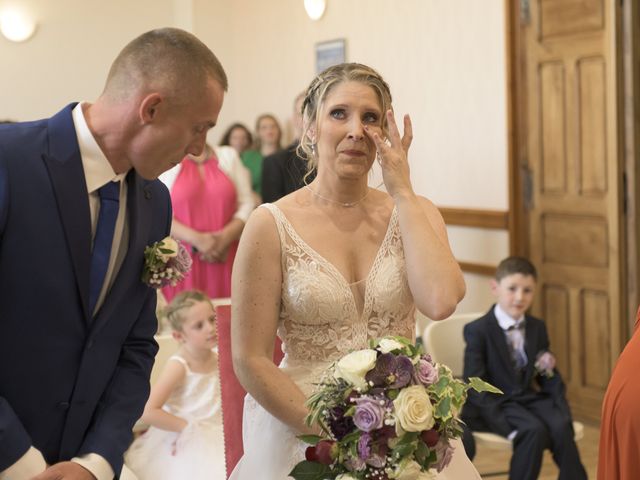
{"x":571,"y":149}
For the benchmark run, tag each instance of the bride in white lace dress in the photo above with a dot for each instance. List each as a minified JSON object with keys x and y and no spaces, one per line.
{"x":332,"y":265}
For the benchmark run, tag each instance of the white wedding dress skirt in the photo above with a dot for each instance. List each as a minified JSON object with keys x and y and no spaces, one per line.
{"x":271,"y":448}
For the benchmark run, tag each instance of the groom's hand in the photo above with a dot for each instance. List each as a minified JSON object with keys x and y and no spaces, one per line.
{"x":66,"y":471}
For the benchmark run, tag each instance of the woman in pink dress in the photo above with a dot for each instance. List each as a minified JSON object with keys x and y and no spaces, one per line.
{"x":211,"y":198}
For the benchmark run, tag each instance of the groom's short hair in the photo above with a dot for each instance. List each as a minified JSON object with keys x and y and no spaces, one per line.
{"x":166,"y":59}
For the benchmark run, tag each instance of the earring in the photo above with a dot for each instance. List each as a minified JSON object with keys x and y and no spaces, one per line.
{"x":313,"y":149}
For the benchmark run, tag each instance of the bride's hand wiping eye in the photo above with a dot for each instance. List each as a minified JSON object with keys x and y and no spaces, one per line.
{"x":393,"y":155}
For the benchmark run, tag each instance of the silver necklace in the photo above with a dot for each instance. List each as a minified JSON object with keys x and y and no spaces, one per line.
{"x":342,"y":204}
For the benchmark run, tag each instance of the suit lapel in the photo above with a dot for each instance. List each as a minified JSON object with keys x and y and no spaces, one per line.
{"x":129,"y":277}
{"x":64,"y":165}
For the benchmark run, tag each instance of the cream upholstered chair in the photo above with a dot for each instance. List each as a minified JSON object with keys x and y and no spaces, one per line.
{"x":421,"y":324}
{"x":444,"y":341}
{"x":167,"y":346}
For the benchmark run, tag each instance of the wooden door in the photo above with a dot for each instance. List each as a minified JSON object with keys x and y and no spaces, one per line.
{"x":569,"y":146}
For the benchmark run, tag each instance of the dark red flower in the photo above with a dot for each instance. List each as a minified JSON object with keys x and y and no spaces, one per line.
{"x":430,"y":437}
{"x":320,"y":453}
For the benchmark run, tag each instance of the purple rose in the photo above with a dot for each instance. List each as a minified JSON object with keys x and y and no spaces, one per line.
{"x":182,"y":261}
{"x":425,"y":372}
{"x":364,"y":446}
{"x":369,"y":414}
{"x":444,"y":454}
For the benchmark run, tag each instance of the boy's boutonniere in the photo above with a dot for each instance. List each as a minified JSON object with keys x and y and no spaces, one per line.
{"x":165,"y":263}
{"x":545,"y":363}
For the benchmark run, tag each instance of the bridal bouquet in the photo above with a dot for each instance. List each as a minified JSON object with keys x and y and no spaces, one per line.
{"x":387,"y":412}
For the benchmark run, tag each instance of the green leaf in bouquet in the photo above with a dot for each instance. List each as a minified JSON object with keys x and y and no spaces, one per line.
{"x":458,"y":389}
{"x":422,"y":452}
{"x":406,"y":439}
{"x":351,"y":411}
{"x":401,"y":451}
{"x":440,"y":386}
{"x":306,"y":470}
{"x":480,"y":385}
{"x":352,"y":437}
{"x":393,"y":394}
{"x":346,"y":393}
{"x":443,"y":408}
{"x":310,"y":439}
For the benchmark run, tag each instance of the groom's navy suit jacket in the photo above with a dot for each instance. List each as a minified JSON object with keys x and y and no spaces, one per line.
{"x":70,"y":383}
{"x":487,"y":356}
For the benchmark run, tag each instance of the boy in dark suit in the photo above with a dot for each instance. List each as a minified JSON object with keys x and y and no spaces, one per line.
{"x":510,"y":350}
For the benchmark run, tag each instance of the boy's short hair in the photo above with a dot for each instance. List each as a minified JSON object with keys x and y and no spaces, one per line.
{"x":513,"y":265}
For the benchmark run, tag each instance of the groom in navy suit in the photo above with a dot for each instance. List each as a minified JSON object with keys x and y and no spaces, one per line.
{"x":79,"y":201}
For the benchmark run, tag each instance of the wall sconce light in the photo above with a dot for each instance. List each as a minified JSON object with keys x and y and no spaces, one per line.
{"x":16,"y":26}
{"x":315,"y":8}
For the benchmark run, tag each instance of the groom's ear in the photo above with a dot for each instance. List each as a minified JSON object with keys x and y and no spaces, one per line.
{"x":150,"y":107}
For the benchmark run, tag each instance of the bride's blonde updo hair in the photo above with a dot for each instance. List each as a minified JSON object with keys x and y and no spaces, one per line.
{"x":318,"y":90}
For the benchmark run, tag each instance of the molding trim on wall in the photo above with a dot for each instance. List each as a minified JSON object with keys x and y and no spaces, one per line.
{"x":469,"y":217}
{"x":479,"y":268}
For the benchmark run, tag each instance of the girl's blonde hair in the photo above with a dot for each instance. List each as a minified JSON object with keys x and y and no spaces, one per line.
{"x":174,"y":312}
{"x":317,"y":92}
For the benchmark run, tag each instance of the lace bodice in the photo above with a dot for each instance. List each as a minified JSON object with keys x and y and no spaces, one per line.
{"x":319,"y":317}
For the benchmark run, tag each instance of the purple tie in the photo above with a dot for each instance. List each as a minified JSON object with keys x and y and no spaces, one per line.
{"x":516,"y":344}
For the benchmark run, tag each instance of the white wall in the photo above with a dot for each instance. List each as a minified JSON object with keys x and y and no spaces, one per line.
{"x":69,"y":56}
{"x":444,"y":60}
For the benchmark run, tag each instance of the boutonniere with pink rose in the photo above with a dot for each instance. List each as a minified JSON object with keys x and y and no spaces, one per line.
{"x":386,"y":412}
{"x":165,"y":263}
{"x":545,"y":364}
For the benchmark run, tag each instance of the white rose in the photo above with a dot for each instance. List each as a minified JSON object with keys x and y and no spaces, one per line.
{"x":413,"y":409}
{"x":387,"y":345}
{"x":355,"y":365}
{"x":170,"y":244}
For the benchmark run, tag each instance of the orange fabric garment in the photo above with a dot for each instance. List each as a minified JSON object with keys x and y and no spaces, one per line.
{"x":619,"y":452}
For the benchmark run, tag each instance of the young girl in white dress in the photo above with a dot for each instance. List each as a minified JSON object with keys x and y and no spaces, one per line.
{"x":185,"y":439}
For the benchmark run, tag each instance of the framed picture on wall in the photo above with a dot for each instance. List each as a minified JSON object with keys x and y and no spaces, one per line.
{"x":329,"y":53}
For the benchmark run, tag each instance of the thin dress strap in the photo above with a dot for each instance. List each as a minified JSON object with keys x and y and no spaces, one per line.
{"x":181,"y":360}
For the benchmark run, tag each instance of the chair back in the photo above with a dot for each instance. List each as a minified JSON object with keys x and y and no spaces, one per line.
{"x":232,"y":393}
{"x":444,"y":341}
{"x":167,"y":346}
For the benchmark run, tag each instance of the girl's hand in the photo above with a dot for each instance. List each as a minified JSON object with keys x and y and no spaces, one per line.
{"x":393,"y":157}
